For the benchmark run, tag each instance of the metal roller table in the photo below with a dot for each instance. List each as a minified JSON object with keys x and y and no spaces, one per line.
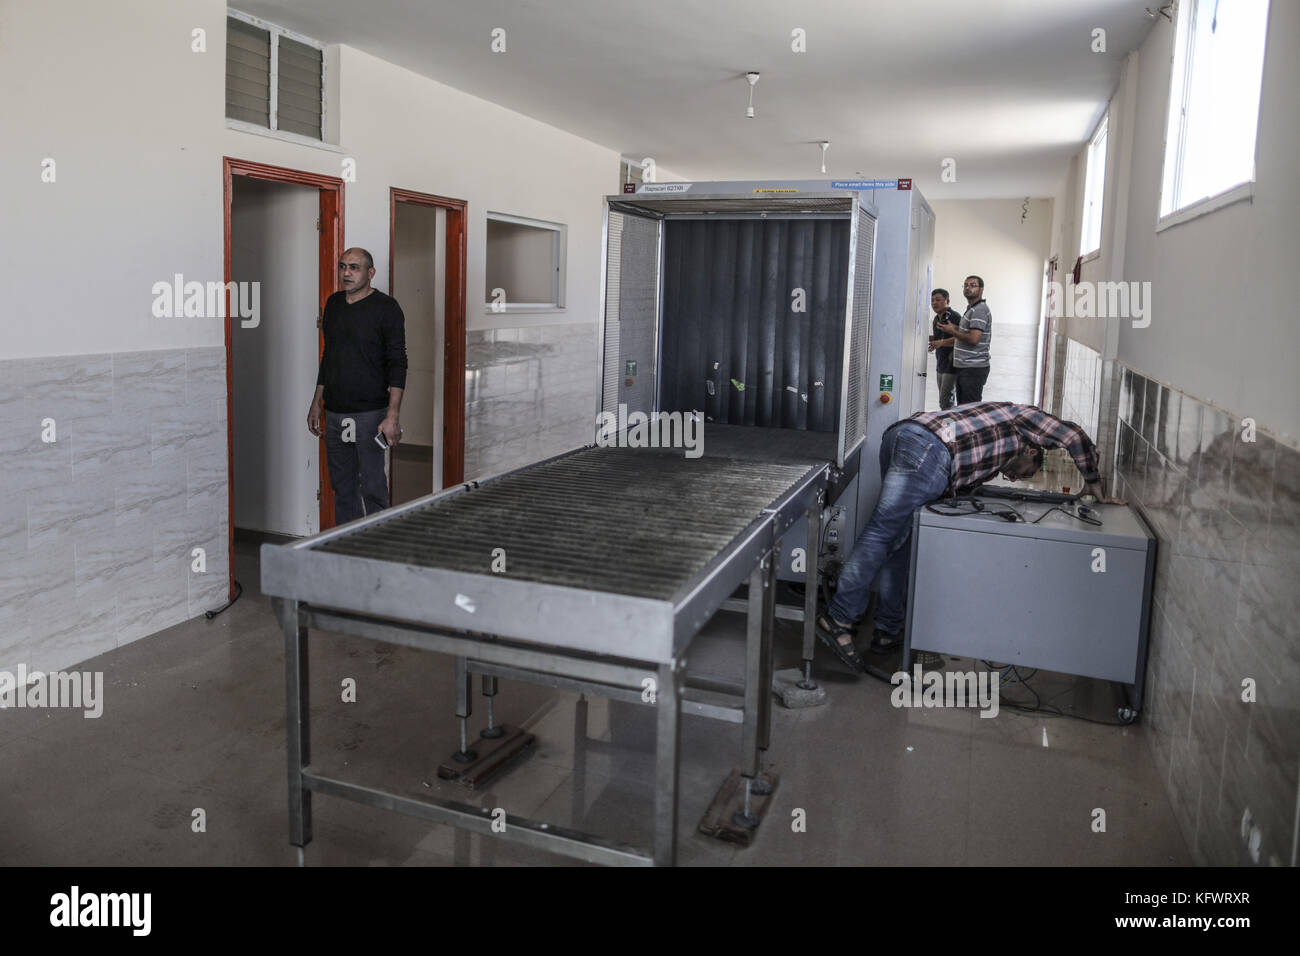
{"x":576,"y":606}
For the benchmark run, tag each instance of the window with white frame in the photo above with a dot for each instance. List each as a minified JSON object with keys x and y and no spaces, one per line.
{"x":629,"y":171}
{"x":525,"y":263}
{"x":275,"y":79}
{"x":1094,"y":190}
{"x":1213,"y":100}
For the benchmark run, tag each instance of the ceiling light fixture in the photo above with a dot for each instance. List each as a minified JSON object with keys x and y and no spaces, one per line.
{"x":825,"y":145}
{"x":753,"y":78}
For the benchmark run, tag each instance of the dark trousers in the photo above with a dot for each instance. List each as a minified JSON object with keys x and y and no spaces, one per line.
{"x":970,"y":384}
{"x":358,"y":466}
{"x":947,"y":389}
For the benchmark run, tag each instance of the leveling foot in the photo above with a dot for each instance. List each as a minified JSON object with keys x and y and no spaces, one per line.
{"x":728,"y":818}
{"x":474,"y":768}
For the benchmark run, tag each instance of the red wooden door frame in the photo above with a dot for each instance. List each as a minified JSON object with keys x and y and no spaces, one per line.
{"x":331,"y":248}
{"x":453,"y":354}
{"x":1048,"y":327}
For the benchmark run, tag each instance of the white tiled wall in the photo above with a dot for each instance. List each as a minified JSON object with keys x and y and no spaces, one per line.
{"x":529,"y":393}
{"x":97,"y":526}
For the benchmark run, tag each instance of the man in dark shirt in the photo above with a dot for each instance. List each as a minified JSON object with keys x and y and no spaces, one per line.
{"x":921,"y":458}
{"x":941,"y":345}
{"x":359,"y":388}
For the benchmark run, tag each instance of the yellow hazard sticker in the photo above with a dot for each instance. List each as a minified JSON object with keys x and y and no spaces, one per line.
{"x":777,"y":189}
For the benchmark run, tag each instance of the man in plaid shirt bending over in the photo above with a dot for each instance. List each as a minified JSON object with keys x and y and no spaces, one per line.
{"x":921,"y":459}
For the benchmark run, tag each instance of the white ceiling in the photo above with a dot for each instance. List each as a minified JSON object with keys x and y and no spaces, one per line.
{"x":1007,"y":88}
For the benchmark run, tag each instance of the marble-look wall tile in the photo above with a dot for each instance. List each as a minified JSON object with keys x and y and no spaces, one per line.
{"x":1224,"y":653}
{"x":185,"y":430}
{"x":205,"y":376}
{"x":520,"y":385}
{"x":77,"y":631}
{"x":147,"y":380}
{"x":113,"y":560}
{"x":38,"y":580}
{"x":152,"y":602}
{"x":68,"y":387}
{"x":1155,"y":393}
{"x":137,"y":438}
{"x":33,"y":463}
{"x":156,"y":492}
{"x":76,"y":509}
{"x":1250,"y":480}
{"x":1186,"y":441}
{"x":13,"y":525}
{"x":110,"y":443}
{"x":13,"y":394}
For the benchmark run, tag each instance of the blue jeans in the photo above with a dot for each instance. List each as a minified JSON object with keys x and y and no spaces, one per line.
{"x":358,"y":472}
{"x":914,"y":466}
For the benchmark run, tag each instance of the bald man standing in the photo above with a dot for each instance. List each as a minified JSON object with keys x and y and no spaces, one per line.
{"x":359,"y":388}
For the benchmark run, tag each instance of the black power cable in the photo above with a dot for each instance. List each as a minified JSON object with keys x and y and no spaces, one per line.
{"x":239,"y":590}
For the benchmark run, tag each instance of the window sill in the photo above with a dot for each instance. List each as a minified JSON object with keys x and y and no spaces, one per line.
{"x":1242,"y":191}
{"x":241,"y":127}
{"x":1092,"y":256}
{"x":526,"y":308}
{"x":503,"y":320}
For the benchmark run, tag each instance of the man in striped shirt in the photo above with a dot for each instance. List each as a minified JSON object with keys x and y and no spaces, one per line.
{"x":924,"y":458}
{"x":970,"y":354}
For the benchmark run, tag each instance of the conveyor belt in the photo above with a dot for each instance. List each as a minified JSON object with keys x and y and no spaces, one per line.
{"x":638,"y":522}
{"x":777,"y":446}
{"x":609,"y":550}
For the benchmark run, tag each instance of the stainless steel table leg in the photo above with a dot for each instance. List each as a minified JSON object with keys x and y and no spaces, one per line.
{"x":464,"y":707}
{"x":668,"y":704}
{"x":765,"y":653}
{"x":491,"y":731}
{"x":754,"y":667}
{"x":297,"y":718}
{"x":811,"y":585}
{"x":579,"y":810}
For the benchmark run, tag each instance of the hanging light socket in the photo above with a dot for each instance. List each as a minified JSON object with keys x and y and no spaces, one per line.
{"x":825,"y":145}
{"x":752,"y":77}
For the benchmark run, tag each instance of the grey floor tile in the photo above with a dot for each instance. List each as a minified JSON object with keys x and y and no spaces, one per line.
{"x":194,"y":718}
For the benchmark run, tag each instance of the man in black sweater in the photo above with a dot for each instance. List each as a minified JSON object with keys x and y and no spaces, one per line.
{"x":359,"y":388}
{"x":941,"y":345}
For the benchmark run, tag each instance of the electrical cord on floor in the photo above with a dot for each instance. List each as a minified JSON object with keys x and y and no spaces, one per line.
{"x":239,"y":590}
{"x":1039,"y":708}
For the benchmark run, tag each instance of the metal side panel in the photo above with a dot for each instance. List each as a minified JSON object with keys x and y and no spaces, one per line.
{"x":701,"y":599}
{"x":1063,"y":617}
{"x":597,"y":622}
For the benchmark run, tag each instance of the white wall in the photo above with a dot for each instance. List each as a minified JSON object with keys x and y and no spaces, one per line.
{"x":1223,"y":324}
{"x":138,"y":133}
{"x":416,"y":268}
{"x":276,"y":461}
{"x":1220,"y":326}
{"x":985,"y":237}
{"x":152,"y":172}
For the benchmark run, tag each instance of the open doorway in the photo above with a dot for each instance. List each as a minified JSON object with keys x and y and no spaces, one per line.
{"x":426,"y":275}
{"x":284,"y":232}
